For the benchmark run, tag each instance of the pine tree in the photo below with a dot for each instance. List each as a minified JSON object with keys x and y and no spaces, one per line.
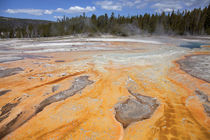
{"x":207,"y":21}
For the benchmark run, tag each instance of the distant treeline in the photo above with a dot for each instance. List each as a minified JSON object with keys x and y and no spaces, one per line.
{"x":195,"y":22}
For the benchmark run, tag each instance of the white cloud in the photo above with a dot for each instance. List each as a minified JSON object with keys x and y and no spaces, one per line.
{"x":109,"y":5}
{"x":39,"y":12}
{"x":48,"y":12}
{"x":196,"y":3}
{"x":164,"y":10}
{"x":75,"y":9}
{"x":118,"y":5}
{"x":58,"y":17}
{"x":166,"y":7}
{"x":156,"y":5}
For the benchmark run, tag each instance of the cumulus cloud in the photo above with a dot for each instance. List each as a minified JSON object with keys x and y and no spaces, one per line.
{"x":75,"y":9}
{"x":58,"y":17}
{"x":196,"y":3}
{"x":170,"y":5}
{"x":39,"y":12}
{"x":166,"y":7}
{"x":49,"y":12}
{"x":117,"y":5}
{"x":109,"y":5}
{"x":156,"y":5}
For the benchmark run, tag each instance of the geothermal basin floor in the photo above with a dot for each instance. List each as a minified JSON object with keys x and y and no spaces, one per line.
{"x":103,"y":88}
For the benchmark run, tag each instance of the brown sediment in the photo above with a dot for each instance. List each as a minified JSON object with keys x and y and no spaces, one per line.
{"x":7,"y":108}
{"x":55,"y":88}
{"x":9,"y":72}
{"x":59,"y":61}
{"x":202,"y":96}
{"x":4,"y":116}
{"x":7,"y":129}
{"x":207,"y":108}
{"x":12,"y":122}
{"x":2,"y":92}
{"x":204,"y":99}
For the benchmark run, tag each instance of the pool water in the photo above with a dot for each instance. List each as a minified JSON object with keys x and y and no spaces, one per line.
{"x":192,"y":45}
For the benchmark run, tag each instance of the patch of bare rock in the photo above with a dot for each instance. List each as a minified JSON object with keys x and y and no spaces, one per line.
{"x":197,"y":66}
{"x":135,"y":109}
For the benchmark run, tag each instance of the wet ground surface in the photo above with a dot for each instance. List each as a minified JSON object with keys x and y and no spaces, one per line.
{"x":104,"y":88}
{"x":78,"y":84}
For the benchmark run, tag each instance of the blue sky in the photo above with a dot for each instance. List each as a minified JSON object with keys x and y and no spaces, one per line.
{"x":53,"y":9}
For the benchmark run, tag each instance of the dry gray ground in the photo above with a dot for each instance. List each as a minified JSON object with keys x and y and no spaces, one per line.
{"x":197,"y":65}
